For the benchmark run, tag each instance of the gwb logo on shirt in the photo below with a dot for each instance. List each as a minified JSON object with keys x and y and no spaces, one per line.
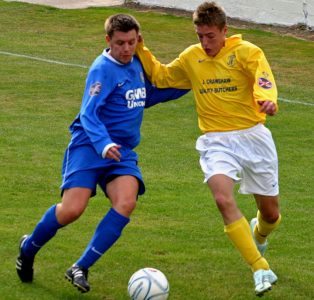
{"x":138,"y":94}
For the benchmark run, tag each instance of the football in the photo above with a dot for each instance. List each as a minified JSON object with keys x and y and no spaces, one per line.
{"x":148,"y":284}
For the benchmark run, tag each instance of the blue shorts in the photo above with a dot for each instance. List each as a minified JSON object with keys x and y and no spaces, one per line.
{"x":82,"y":167}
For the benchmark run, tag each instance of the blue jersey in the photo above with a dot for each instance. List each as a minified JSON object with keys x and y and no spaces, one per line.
{"x":113,"y":102}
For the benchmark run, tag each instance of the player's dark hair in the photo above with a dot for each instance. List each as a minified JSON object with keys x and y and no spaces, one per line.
{"x":121,"y":22}
{"x":210,"y":14}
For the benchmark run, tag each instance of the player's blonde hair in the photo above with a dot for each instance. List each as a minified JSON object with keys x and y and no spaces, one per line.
{"x":210,"y":14}
{"x":121,"y":22}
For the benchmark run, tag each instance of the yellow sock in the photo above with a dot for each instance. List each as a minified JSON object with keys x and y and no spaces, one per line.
{"x":240,"y":234}
{"x":263,"y":229}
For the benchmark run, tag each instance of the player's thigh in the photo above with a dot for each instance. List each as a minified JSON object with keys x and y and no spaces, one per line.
{"x":76,"y":198}
{"x":122,"y":192}
{"x":260,"y":164}
{"x":216,"y":158}
{"x":221,"y":186}
{"x":77,"y":188}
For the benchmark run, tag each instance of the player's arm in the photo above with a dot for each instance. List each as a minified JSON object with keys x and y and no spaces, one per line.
{"x":97,"y":90}
{"x":156,"y":95}
{"x":163,"y":76}
{"x":264,"y":89}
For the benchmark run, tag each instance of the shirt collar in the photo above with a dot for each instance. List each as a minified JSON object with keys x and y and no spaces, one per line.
{"x":106,"y":54}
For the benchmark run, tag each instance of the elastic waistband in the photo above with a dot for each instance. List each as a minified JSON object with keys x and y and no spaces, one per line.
{"x":235,"y":132}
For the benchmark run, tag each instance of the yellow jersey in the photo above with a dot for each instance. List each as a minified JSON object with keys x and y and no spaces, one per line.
{"x":226,"y":87}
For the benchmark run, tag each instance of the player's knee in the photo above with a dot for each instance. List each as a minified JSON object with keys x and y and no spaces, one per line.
{"x":223,"y":202}
{"x":271,"y":216}
{"x":68,"y":214}
{"x":125,"y":206}
{"x":74,"y":213}
{"x":129,"y":205}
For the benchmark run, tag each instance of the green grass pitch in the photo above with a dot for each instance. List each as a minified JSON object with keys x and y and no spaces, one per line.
{"x":176,"y":226}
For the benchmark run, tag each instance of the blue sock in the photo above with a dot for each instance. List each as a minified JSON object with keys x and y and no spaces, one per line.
{"x":106,"y":234}
{"x":45,"y":229}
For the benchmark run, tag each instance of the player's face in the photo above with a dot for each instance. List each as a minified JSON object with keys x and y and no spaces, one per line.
{"x":122,"y":45}
{"x":211,"y":38}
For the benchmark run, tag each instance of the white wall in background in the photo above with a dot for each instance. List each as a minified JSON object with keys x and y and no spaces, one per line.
{"x":277,"y":12}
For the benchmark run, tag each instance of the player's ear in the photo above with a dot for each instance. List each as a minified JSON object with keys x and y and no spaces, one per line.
{"x":225,"y":29}
{"x":107,"y":38}
{"x":140,"y":38}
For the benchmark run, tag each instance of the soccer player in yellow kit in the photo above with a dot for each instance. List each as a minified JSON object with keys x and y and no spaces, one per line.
{"x":234,"y":90}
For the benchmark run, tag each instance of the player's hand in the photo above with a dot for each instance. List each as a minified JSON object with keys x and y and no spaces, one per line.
{"x":114,"y":153}
{"x":267,"y":107}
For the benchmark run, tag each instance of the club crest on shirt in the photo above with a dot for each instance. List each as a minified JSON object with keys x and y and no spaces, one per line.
{"x":231,"y":60}
{"x":95,"y":89}
{"x":264,"y":83}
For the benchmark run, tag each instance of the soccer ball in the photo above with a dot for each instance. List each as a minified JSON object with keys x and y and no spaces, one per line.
{"x":148,"y":284}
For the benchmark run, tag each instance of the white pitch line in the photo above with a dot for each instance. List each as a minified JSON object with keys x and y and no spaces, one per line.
{"x":86,"y":67}
{"x":44,"y":60}
{"x":295,"y":102}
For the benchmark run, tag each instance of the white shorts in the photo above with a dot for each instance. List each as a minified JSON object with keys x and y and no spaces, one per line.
{"x":247,"y":156}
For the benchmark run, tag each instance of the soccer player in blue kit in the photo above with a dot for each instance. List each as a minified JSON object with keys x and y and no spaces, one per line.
{"x":104,"y":134}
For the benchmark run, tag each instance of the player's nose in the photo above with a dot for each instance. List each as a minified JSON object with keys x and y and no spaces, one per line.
{"x":126,"y":48}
